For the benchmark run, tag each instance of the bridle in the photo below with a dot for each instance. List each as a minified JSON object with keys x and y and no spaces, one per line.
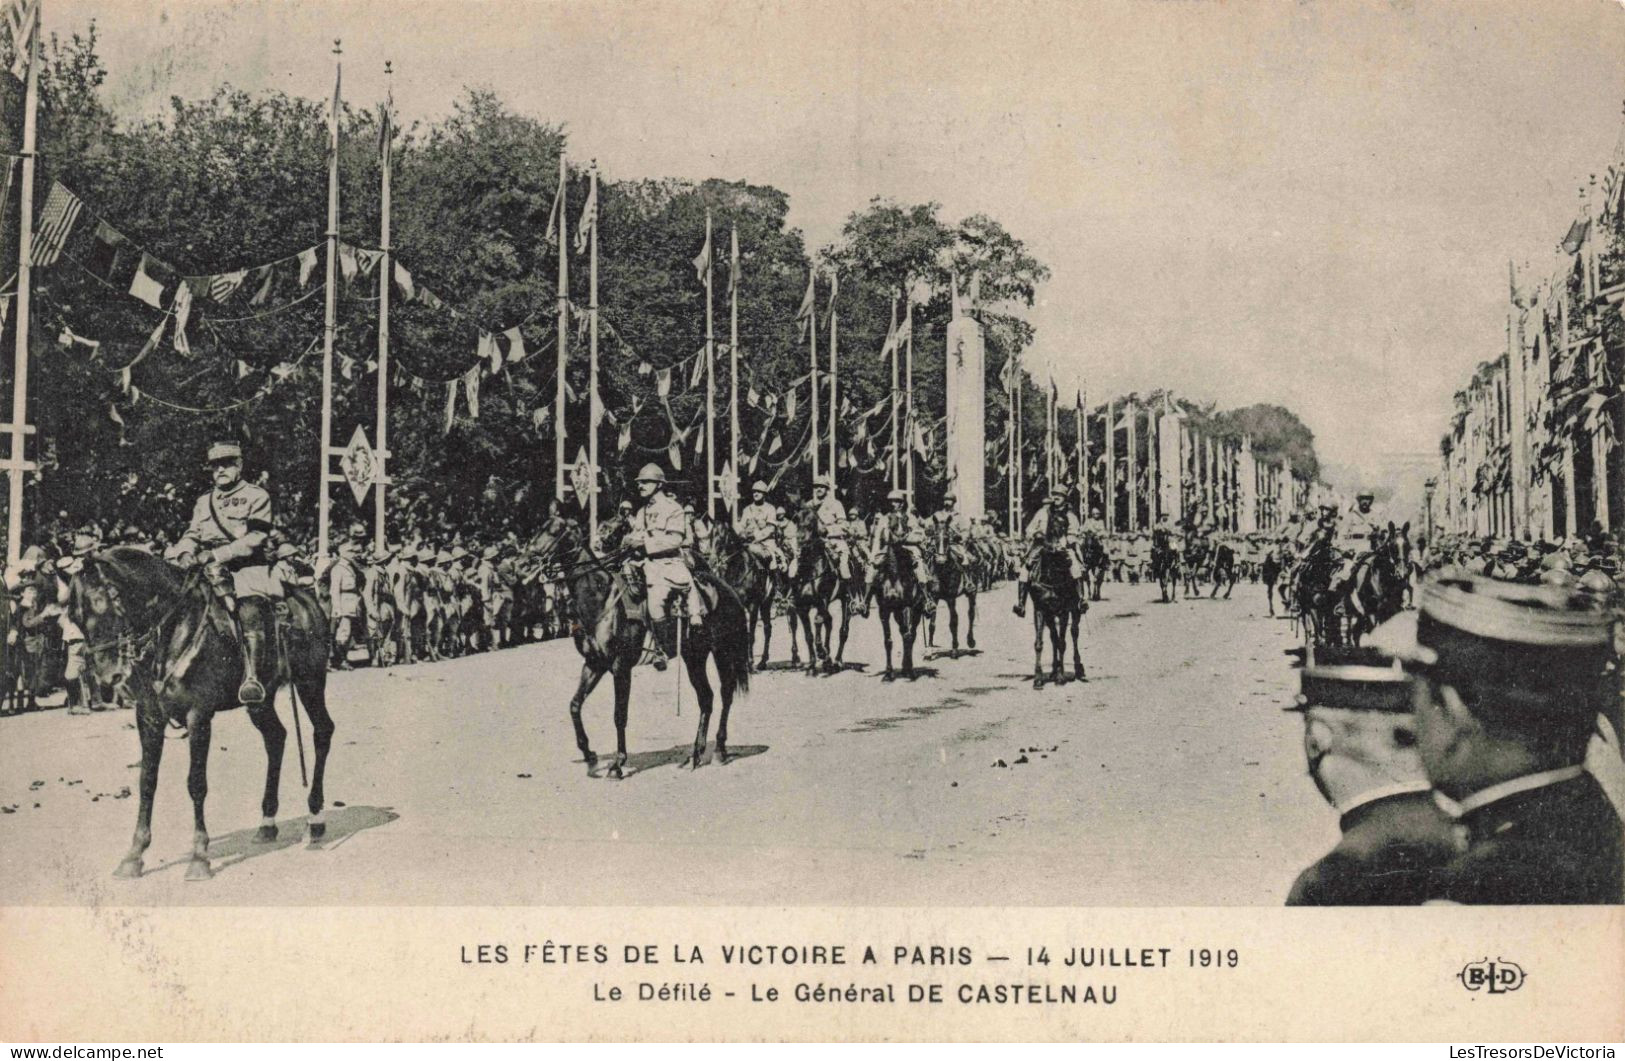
{"x":135,"y":651}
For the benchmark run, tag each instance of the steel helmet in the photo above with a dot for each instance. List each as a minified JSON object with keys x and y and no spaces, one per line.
{"x":651,"y":473}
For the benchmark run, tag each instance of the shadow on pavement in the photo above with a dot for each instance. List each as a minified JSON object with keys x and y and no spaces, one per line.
{"x":240,"y":846}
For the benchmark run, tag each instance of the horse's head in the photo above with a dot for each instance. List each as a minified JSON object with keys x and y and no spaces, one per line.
{"x":121,"y":599}
{"x":561,"y":536}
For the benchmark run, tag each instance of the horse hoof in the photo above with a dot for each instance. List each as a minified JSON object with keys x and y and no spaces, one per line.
{"x":265,"y":834}
{"x":694,"y":760}
{"x":615,"y":773}
{"x":199,"y":870}
{"x":888,"y":677}
{"x":129,"y":869}
{"x":970,"y":642}
{"x":722,"y":754}
{"x":316,"y":831}
{"x":1038,"y":683}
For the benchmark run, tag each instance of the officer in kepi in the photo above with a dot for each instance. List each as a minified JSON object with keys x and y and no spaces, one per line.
{"x":230,"y":526}
{"x":1510,"y":682}
{"x":1359,"y":737}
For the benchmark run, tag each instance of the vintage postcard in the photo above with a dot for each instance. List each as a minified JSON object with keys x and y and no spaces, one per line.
{"x":713,"y":519}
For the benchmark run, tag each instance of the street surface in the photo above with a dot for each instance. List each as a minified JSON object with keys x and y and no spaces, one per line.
{"x":1170,"y":777}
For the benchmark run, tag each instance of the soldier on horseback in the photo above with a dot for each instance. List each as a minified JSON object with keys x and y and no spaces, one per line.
{"x":660,"y":530}
{"x":947,"y":522}
{"x":1052,"y":524}
{"x":759,"y":527}
{"x":230,"y":526}
{"x":830,"y":516}
{"x":902,"y":527}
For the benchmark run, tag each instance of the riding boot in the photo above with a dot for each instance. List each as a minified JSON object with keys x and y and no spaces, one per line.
{"x":665,"y":640}
{"x":1021,"y":600}
{"x":251,"y":634}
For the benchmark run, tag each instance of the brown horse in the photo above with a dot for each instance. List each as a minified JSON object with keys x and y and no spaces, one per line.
{"x":749,"y":576}
{"x":161,"y":635}
{"x":610,"y":626}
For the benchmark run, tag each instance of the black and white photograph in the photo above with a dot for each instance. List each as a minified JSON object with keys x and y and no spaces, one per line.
{"x":727,"y":455}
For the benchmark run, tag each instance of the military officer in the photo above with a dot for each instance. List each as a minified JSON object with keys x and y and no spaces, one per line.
{"x":1360,"y":741}
{"x":951,"y":525}
{"x":229,"y":528}
{"x":900,"y":526}
{"x":759,"y":528}
{"x":1052,"y":523}
{"x":1508,"y":684}
{"x":831,"y":517}
{"x":346,"y":582}
{"x":659,"y":530}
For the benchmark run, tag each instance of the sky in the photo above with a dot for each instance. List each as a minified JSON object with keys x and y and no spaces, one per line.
{"x":1313,"y":204}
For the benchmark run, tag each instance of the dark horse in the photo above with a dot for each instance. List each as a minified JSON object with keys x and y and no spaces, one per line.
{"x":1058,"y":607}
{"x":954,"y":580}
{"x":165,"y":638}
{"x":749,"y":576}
{"x":903,"y":601}
{"x":1310,"y":592}
{"x":1223,"y":569}
{"x":815,"y":586}
{"x":1092,"y":551}
{"x":1165,"y":564}
{"x":1381,"y":579}
{"x":609,"y":624}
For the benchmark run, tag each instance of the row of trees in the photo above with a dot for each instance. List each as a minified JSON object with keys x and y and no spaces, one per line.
{"x":239,"y":179}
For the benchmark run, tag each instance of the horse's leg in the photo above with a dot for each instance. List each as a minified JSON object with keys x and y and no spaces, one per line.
{"x":199,"y":727}
{"x":908,"y":625}
{"x":275,"y":735}
{"x":1038,"y":647}
{"x":149,"y":718}
{"x":1077,"y":656}
{"x":970,"y":620}
{"x":846,"y":628}
{"x":953,"y":623}
{"x":312,"y":688}
{"x":590,"y":677}
{"x":621,"y":675}
{"x":694,"y":662}
{"x":1057,"y":645}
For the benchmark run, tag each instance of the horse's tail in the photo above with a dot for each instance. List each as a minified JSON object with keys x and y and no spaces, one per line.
{"x":730,"y":639}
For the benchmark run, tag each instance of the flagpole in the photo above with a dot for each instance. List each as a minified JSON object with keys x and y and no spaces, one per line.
{"x":19,"y":428}
{"x":834,"y":379}
{"x":1021,"y":445}
{"x":559,"y":410}
{"x":330,"y":327}
{"x":594,"y":408}
{"x":1014,"y":455}
{"x":908,"y":397}
{"x":812,"y":375}
{"x":733,"y":369}
{"x":385,"y":282}
{"x":710,"y":384}
{"x":895,"y":482}
{"x":1109,"y":492}
{"x":1080,"y":448}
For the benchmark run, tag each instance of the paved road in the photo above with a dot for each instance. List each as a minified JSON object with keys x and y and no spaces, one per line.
{"x":1170,"y":777}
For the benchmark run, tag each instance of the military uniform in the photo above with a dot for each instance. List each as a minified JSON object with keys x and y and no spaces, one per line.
{"x":906,"y":529}
{"x":660,"y":529}
{"x":830,"y":515}
{"x":759,"y":529}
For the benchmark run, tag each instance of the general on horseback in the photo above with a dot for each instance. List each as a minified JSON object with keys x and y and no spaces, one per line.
{"x":660,"y":532}
{"x":1052,"y":573}
{"x":212,"y":631}
{"x":900,"y":576}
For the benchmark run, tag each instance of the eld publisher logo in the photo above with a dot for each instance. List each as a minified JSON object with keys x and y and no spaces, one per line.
{"x":1499,"y":976}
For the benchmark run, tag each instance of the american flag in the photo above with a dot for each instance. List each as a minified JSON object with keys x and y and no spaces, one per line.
{"x":62,"y":209}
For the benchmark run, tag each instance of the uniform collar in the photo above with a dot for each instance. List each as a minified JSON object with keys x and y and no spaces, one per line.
{"x":1497,"y":792}
{"x":227,"y":491}
{"x":1355,"y":809}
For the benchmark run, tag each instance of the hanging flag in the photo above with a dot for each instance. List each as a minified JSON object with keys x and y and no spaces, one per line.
{"x":702,"y":260}
{"x":644,"y":368}
{"x":804,"y":314}
{"x":698,"y":372}
{"x":346,"y":367}
{"x":386,"y":127}
{"x":224,"y":285}
{"x":69,"y":339}
{"x":624,"y":439}
{"x":307,"y":264}
{"x":1008,"y":372}
{"x":243,"y":369}
{"x":347,"y":262}
{"x":471,"y":388}
{"x":367,"y":260}
{"x":333,"y":119}
{"x":430,"y":299}
{"x":403,"y":282}
{"x":485,"y":349}
{"x":674,"y":453}
{"x":283,"y":372}
{"x":889,"y":347}
{"x":263,"y":277}
{"x":5,"y":307}
{"x":451,"y":405}
{"x":538,"y":418}
{"x":733,"y":260}
{"x":23,"y":17}
{"x":663,"y":382}
{"x":776,"y":444}
{"x":555,"y":215}
{"x":183,"y":313}
{"x":834,"y":286}
{"x":515,"y":343}
{"x":56,"y":221}
{"x":905,"y":330}
{"x":589,"y":218}
{"x":790,"y":405}
{"x":102,"y":256}
{"x":147,"y":287}
{"x":752,"y":398}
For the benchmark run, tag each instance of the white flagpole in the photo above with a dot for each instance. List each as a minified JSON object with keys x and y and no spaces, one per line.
{"x":894,"y":455}
{"x":908,"y":398}
{"x":834,"y":381}
{"x":385,"y":282}
{"x":710,"y":382}
{"x":594,"y":408}
{"x":559,"y":410}
{"x":19,"y":427}
{"x":733,"y":367}
{"x":323,"y":506}
{"x":812,"y":376}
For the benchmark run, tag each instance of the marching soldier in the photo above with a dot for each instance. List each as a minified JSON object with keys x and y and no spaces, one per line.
{"x":1051,"y":523}
{"x":759,"y":528}
{"x":1360,"y":740}
{"x":659,"y":530}
{"x":230,"y":526}
{"x":1509,"y":682}
{"x":345,"y":582}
